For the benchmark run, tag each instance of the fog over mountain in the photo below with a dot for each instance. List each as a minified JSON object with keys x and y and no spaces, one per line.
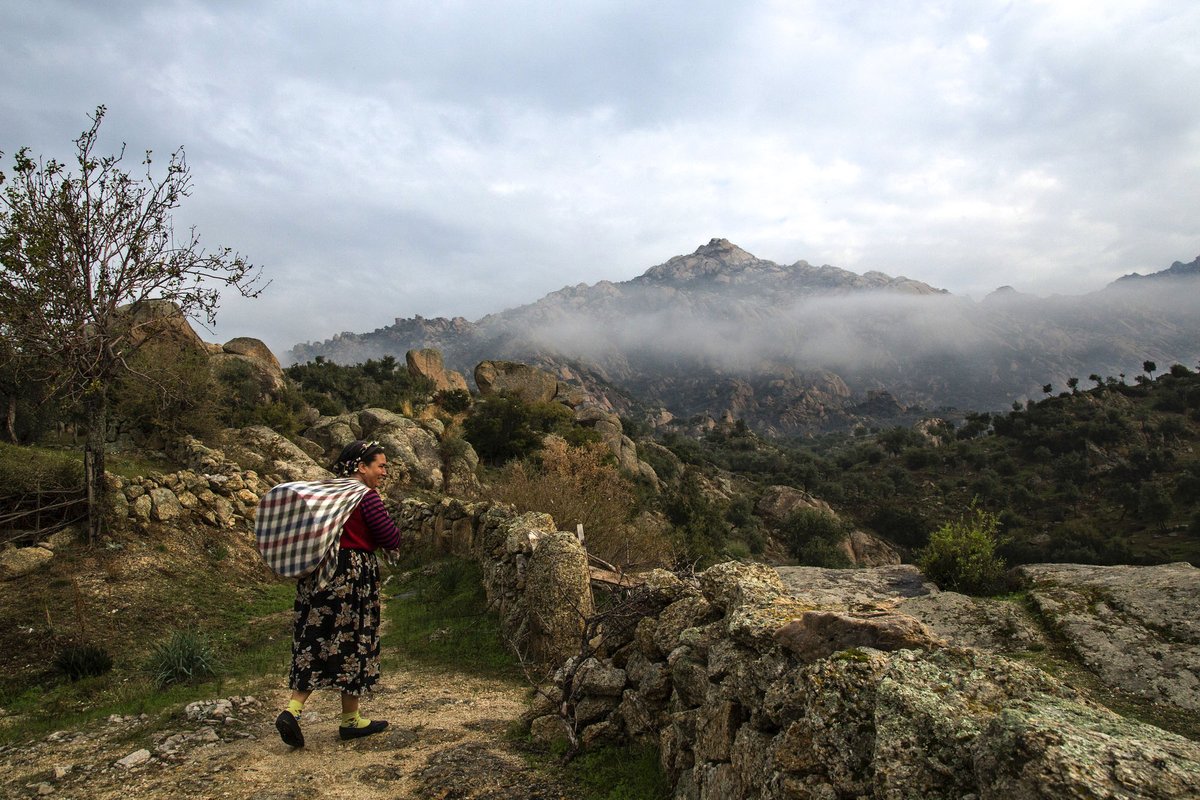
{"x":796,"y":348}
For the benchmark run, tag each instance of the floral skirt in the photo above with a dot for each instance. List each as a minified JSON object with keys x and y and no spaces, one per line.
{"x":335,"y":642}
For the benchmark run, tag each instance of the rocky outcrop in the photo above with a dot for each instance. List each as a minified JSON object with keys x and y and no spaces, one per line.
{"x":612,"y":433}
{"x":255,"y":356}
{"x":427,"y":364}
{"x":412,"y":447}
{"x":269,"y":453}
{"x":1133,"y":626}
{"x":526,"y":383}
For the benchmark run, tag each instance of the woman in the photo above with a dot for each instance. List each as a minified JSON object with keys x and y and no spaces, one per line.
{"x":335,"y":642}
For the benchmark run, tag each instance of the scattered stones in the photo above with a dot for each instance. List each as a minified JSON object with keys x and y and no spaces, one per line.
{"x":134,"y":759}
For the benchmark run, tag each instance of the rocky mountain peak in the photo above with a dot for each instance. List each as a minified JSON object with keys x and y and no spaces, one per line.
{"x":719,"y":258}
{"x":1177,"y":270}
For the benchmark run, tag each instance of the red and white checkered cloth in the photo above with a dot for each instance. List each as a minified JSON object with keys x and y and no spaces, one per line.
{"x":299,"y":524}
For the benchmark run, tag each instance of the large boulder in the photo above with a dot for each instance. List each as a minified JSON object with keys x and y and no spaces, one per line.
{"x":863,"y":549}
{"x":526,"y":383}
{"x":412,"y":449}
{"x":261,"y":449}
{"x":780,"y":502}
{"x":162,"y":321}
{"x":263,"y":364}
{"x":867,"y":550}
{"x":428,"y":364}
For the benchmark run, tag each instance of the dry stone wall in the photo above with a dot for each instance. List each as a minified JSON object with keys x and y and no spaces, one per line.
{"x":748,"y":691}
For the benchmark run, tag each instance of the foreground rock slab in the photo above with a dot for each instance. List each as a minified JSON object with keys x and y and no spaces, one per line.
{"x":1135,"y":627}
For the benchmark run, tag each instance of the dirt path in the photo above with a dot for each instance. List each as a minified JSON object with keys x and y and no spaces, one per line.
{"x":446,"y":741}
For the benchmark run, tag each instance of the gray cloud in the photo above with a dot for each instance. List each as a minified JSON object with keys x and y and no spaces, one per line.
{"x":390,"y":159}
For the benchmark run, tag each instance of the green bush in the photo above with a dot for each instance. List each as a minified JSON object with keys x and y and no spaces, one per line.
{"x":182,"y":658}
{"x":453,"y":401}
{"x":961,"y":554}
{"x":814,"y":538}
{"x":502,"y":428}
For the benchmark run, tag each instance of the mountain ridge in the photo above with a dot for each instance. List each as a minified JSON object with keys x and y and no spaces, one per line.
{"x":797,"y":348}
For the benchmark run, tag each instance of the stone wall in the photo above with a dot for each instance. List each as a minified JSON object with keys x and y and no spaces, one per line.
{"x":536,"y":577}
{"x":749,"y":692}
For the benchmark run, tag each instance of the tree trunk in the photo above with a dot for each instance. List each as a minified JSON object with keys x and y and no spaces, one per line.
{"x":93,"y":462}
{"x":10,"y":419}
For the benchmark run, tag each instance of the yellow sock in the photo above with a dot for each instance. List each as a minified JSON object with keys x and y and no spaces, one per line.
{"x":295,"y":707}
{"x":354,"y":720}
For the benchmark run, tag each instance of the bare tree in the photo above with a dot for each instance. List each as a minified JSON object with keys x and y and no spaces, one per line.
{"x":84,"y":256}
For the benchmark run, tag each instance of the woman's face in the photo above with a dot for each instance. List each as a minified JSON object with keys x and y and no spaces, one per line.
{"x":372,"y":474}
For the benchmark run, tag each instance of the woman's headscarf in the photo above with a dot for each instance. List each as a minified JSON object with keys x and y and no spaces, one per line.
{"x":353,"y":454}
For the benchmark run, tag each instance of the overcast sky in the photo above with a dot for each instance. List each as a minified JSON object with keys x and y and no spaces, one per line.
{"x":387,"y":159}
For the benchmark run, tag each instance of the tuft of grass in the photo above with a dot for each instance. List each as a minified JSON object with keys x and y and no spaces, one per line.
{"x":438,"y":617}
{"x":184,"y":657}
{"x":619,"y":773}
{"x":82,"y":661}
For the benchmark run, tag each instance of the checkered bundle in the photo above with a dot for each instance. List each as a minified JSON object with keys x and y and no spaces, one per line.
{"x":299,"y":524}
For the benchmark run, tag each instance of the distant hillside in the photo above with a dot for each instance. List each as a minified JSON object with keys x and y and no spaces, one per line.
{"x":797,"y":348}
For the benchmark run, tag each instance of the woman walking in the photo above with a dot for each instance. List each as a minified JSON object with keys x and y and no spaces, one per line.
{"x":335,"y":641}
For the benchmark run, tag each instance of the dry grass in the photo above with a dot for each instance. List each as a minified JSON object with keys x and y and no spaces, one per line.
{"x":580,"y":486}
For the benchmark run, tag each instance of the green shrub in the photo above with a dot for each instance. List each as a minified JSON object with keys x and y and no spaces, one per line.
{"x":502,"y":428}
{"x":182,"y":658}
{"x":82,"y":661}
{"x":961,"y":554}
{"x":814,"y":538}
{"x":453,"y":401}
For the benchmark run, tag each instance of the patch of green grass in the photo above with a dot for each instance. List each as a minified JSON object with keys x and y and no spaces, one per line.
{"x":619,"y":773}
{"x":438,"y":617}
{"x":251,"y":634}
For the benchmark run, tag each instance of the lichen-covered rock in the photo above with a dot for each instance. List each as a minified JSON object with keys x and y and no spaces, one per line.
{"x":716,"y":728}
{"x":820,"y":634}
{"x":929,"y":710}
{"x":855,"y":589}
{"x":755,"y":626}
{"x":18,"y":561}
{"x":1059,"y":748}
{"x":559,"y":596}
{"x":732,"y":584}
{"x":984,"y":623}
{"x":548,"y":730}
{"x":674,"y":620}
{"x":165,"y":505}
{"x":1135,"y":627}
{"x":599,"y":679}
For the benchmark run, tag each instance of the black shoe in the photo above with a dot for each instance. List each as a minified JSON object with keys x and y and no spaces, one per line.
{"x":289,"y":729}
{"x":375,"y":726}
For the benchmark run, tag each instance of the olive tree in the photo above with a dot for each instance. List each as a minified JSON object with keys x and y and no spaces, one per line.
{"x":88,"y":258}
